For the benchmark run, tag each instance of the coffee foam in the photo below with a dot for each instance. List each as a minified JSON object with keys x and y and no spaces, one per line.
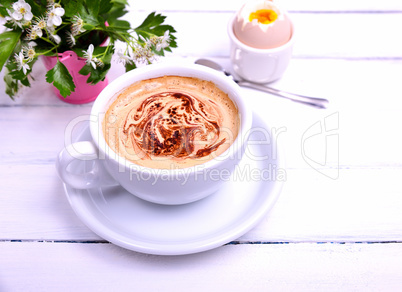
{"x":171,"y":122}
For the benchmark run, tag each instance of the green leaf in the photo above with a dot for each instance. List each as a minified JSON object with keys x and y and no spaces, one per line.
{"x":88,"y":26}
{"x":105,"y":6}
{"x":117,"y":11}
{"x":7,"y":3}
{"x":93,"y":7}
{"x":115,"y":36}
{"x":119,"y":25}
{"x":3,"y":11}
{"x":71,"y":8}
{"x":130,"y":67}
{"x":95,"y":75}
{"x":150,"y":24}
{"x":86,"y":70}
{"x":14,"y":78}
{"x":38,"y":7}
{"x":11,"y":84}
{"x":8,"y":42}
{"x":153,"y":25}
{"x":18,"y":74}
{"x":118,"y":30}
{"x":124,"y":2}
{"x":89,"y":14}
{"x":99,"y":73}
{"x":61,"y":79}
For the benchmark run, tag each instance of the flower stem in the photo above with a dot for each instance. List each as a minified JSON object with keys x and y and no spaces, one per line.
{"x":47,"y":40}
{"x":44,"y":53}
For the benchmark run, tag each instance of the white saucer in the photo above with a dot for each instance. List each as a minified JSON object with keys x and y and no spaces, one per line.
{"x":129,"y":222}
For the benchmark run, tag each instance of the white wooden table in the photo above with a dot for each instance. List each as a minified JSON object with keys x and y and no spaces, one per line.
{"x":337,"y":224}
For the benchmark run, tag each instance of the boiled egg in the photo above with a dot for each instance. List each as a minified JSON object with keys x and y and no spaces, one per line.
{"x":263,"y":25}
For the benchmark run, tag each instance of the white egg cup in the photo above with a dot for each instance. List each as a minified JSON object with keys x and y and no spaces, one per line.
{"x":259,"y":65}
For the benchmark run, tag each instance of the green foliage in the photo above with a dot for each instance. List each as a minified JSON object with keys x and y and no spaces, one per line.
{"x":8,"y":42}
{"x":11,"y":85}
{"x":71,"y":8}
{"x":38,"y":7}
{"x":130,"y":66}
{"x":61,"y":79}
{"x":84,"y":23}
{"x":14,"y":78}
{"x":98,"y":74}
{"x":153,"y":25}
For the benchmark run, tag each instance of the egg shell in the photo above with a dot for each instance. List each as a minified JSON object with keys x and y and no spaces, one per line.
{"x":262,"y":36}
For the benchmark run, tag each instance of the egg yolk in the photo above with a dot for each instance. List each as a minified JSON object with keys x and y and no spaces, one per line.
{"x":264,"y":16}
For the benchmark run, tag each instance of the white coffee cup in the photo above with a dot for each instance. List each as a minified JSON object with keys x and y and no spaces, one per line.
{"x":259,"y":65}
{"x":164,"y":186}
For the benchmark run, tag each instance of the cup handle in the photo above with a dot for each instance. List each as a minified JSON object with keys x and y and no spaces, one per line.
{"x":83,"y":151}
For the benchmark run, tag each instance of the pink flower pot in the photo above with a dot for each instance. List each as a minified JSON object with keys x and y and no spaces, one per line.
{"x":84,"y":92}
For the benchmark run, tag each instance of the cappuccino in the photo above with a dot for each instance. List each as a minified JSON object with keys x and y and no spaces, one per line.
{"x":171,"y":122}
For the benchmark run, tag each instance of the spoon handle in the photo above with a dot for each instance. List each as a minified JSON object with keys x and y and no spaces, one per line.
{"x":312,"y":101}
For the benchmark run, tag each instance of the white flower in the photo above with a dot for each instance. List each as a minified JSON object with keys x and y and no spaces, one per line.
{"x":38,"y":31}
{"x":52,"y":34}
{"x":123,"y":58}
{"x":70,"y":39}
{"x":55,"y":38}
{"x":89,"y":56}
{"x":29,"y":52}
{"x":54,"y":15}
{"x":22,"y":10}
{"x":146,"y":41}
{"x":14,"y":23}
{"x":160,"y":42}
{"x":142,"y":55}
{"x":163,"y":41}
{"x":99,"y":62}
{"x":34,"y":32}
{"x":40,"y":23}
{"x":3,"y":20}
{"x":32,"y":44}
{"x":76,"y":27}
{"x":21,"y":62}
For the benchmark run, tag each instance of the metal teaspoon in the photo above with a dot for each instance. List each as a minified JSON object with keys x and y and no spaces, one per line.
{"x":312,"y":101}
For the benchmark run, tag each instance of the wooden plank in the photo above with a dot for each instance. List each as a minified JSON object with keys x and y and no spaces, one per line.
{"x":360,"y":136}
{"x":313,"y":41}
{"x":32,"y":138}
{"x":343,"y":35}
{"x":274,"y":267}
{"x":348,"y":84}
{"x":37,"y":208}
{"x":363,"y":35}
{"x":317,"y":35}
{"x":291,"y":5}
{"x":359,"y":206}
{"x":367,"y":141}
{"x":346,"y":51}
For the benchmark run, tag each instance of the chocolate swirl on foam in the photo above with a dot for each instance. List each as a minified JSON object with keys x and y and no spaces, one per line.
{"x":174,"y":124}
